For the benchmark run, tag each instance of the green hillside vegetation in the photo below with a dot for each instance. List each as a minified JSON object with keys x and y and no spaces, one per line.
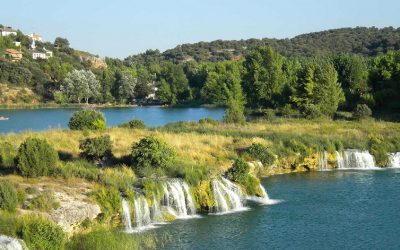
{"x":311,"y":75}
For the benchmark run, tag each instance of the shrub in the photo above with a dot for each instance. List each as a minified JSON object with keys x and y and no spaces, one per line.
{"x":109,"y":200}
{"x":87,"y":119}
{"x":98,"y":148}
{"x":208,"y":120}
{"x":42,"y":234}
{"x":152,"y":152}
{"x":239,"y":171}
{"x":36,"y":157}
{"x":105,"y":239}
{"x":79,"y":169}
{"x":136,"y":124}
{"x":312,"y":111}
{"x":7,"y":155}
{"x":379,"y":148}
{"x":361,"y":111}
{"x":8,"y":196}
{"x":44,"y":202}
{"x":261,"y":152}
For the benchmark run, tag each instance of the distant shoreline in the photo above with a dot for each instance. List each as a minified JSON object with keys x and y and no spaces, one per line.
{"x":108,"y":105}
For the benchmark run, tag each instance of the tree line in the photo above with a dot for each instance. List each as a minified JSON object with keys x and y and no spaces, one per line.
{"x":263,"y":79}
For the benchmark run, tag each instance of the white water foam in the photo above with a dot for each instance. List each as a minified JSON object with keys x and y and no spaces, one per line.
{"x":355,"y":159}
{"x":394,"y":160}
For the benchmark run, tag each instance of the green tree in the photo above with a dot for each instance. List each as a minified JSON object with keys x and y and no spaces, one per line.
{"x":87,"y":119}
{"x":264,"y":79}
{"x":36,"y":157}
{"x":125,"y":84}
{"x":174,"y":75}
{"x":319,"y":92}
{"x":164,"y":93}
{"x":235,"y":110}
{"x":385,"y":80}
{"x":152,"y":152}
{"x":96,"y":149}
{"x":353,"y":77}
{"x":80,"y":84}
{"x":8,"y":196}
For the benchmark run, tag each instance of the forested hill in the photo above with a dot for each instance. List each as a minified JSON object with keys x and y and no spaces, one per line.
{"x":360,"y":40}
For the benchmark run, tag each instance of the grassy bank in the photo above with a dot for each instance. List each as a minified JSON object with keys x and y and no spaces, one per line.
{"x":203,"y":150}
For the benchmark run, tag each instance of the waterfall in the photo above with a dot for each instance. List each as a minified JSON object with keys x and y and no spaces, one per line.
{"x":227,"y":196}
{"x":177,"y":198}
{"x":355,"y":159}
{"x":264,"y":199}
{"x":126,"y":216}
{"x":142,"y":212}
{"x":323,"y":161}
{"x":156,"y":214}
{"x":394,"y":160}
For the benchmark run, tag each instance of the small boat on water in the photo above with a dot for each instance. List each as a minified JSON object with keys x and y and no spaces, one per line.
{"x":3,"y":118}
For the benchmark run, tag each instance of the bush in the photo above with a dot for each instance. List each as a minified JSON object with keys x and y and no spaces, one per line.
{"x":361,"y":111}
{"x":79,"y":169}
{"x":44,"y":202}
{"x":7,"y":155}
{"x":98,"y":148}
{"x":239,"y":171}
{"x":152,"y":152}
{"x":8,"y":196}
{"x":379,"y":148}
{"x":208,"y":120}
{"x":87,"y":119}
{"x":35,"y":158}
{"x":105,"y":239}
{"x":42,"y":234}
{"x":262,"y":153}
{"x":136,"y":124}
{"x":109,"y":200}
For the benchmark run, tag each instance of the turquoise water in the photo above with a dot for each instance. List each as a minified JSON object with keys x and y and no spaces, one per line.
{"x":324,"y":210}
{"x":42,"y":119}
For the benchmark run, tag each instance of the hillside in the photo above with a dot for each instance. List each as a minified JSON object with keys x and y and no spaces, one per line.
{"x":360,"y":40}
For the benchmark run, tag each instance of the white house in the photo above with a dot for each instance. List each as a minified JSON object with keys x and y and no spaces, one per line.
{"x":35,"y":37}
{"x":38,"y":55}
{"x":6,"y":31}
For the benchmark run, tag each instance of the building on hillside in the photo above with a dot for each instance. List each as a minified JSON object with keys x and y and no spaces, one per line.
{"x":7,"y":31}
{"x":39,"y":54}
{"x":35,"y":37}
{"x":17,"y":44}
{"x":13,"y":55}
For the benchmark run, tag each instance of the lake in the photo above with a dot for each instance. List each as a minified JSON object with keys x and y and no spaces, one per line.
{"x":321,"y":210}
{"x":43,"y":119}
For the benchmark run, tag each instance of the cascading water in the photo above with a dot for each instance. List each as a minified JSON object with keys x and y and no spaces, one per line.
{"x":227,"y":196}
{"x":323,"y":161}
{"x":142,"y":212}
{"x":394,"y":160}
{"x":126,"y":216}
{"x":178,"y":199}
{"x":264,"y":199}
{"x":156,"y":215}
{"x":355,"y":159}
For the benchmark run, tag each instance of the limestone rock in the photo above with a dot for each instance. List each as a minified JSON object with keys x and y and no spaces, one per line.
{"x":9,"y":243}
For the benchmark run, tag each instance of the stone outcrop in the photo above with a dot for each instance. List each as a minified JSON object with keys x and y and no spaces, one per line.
{"x":73,"y":210}
{"x":9,"y":243}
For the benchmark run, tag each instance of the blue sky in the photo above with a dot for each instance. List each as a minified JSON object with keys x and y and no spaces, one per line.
{"x":119,"y":28}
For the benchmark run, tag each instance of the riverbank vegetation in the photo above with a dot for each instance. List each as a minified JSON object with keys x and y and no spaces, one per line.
{"x":112,"y":163}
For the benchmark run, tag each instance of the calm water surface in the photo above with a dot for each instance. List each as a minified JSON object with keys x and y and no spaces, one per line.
{"x":42,"y":119}
{"x":324,"y":210}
